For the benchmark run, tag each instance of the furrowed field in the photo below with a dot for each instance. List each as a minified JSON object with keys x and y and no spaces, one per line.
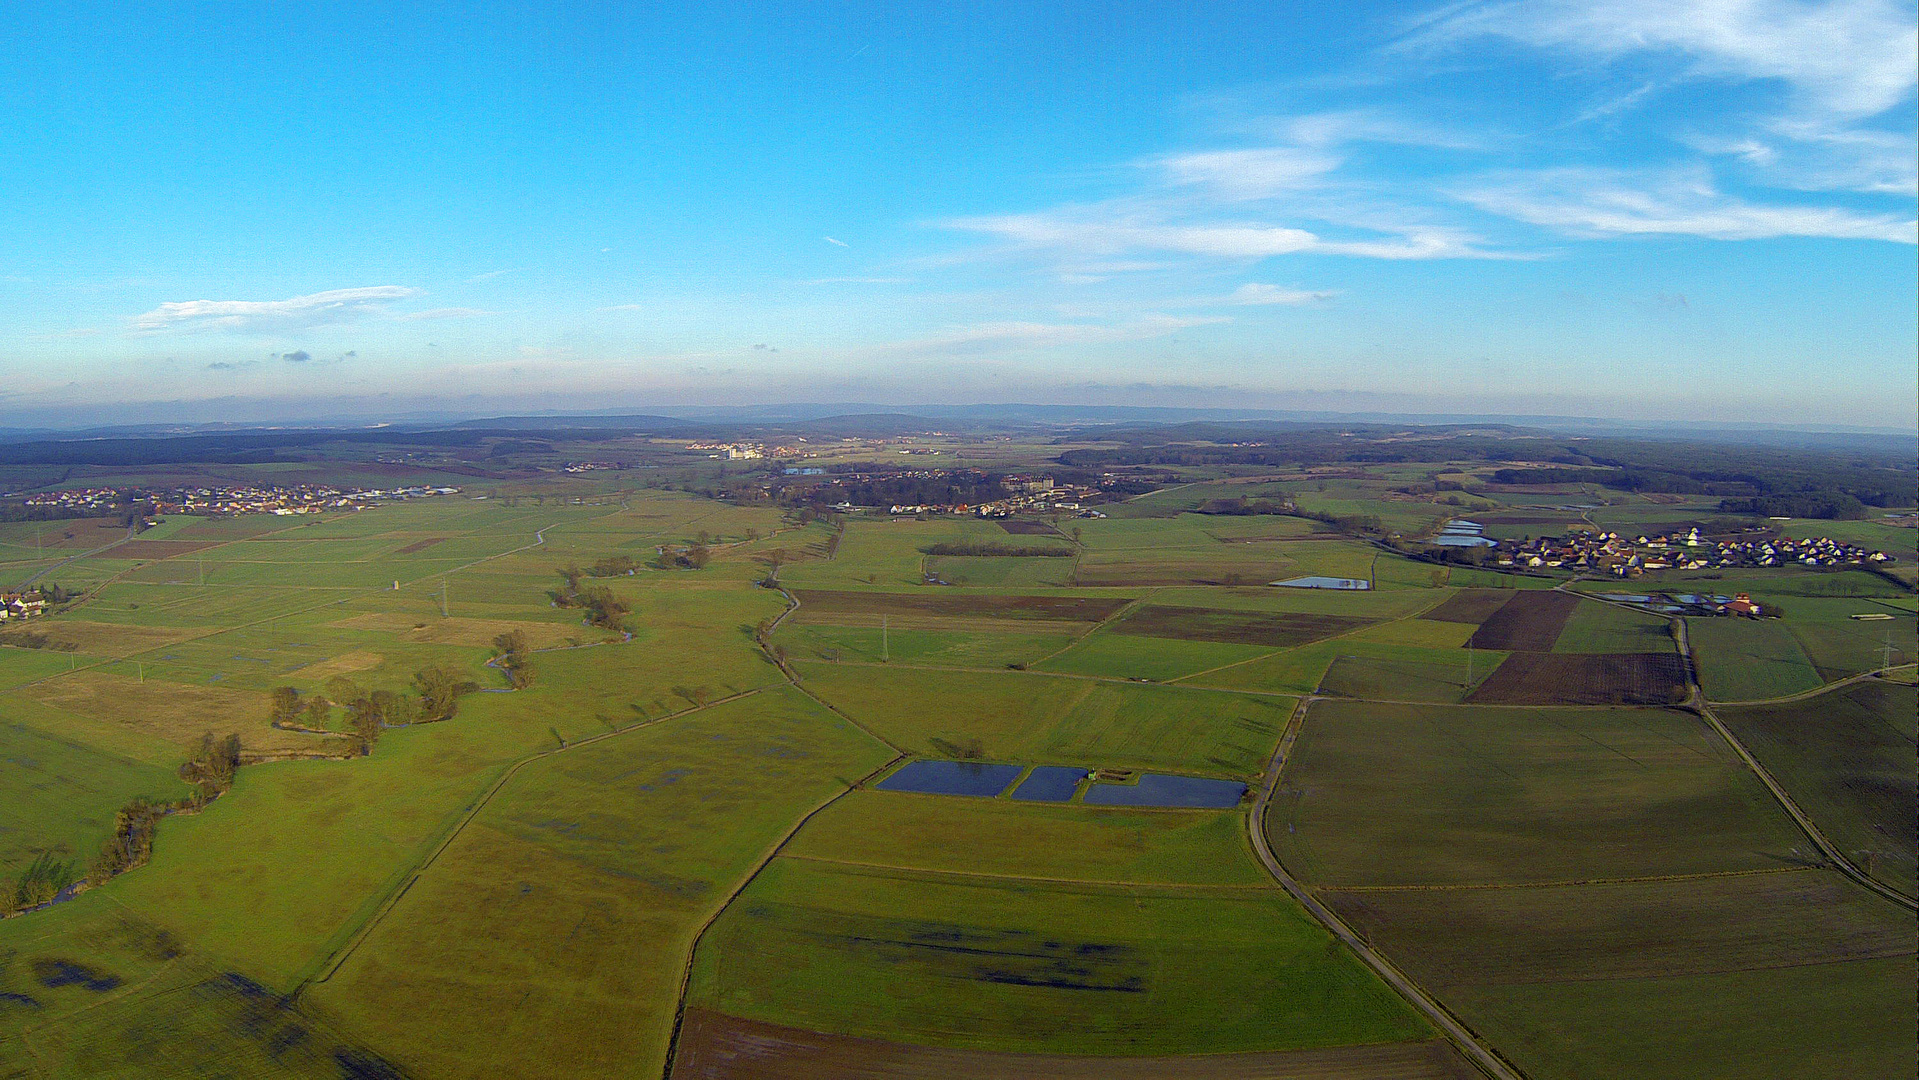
{"x":684,"y":849}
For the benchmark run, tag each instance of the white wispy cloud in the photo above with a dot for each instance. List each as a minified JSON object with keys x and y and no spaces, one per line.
{"x":272,"y":316}
{"x":835,"y":243}
{"x":1598,"y":203}
{"x":491,"y":274}
{"x":1843,"y":57}
{"x":1255,"y":293}
{"x":447,"y":313}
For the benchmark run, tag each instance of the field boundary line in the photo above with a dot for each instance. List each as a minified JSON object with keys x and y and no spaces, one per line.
{"x":330,"y":966}
{"x":1841,"y":684}
{"x":1647,"y":879}
{"x":1479,"y":1053}
{"x":1114,"y":679}
{"x":1151,"y":591}
{"x":993,"y":876}
{"x":1826,"y":847}
{"x":1303,"y":644}
{"x":766,"y":860}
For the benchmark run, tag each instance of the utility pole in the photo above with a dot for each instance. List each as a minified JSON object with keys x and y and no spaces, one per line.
{"x":1885,"y":651}
{"x":143,"y":671}
{"x":442,"y":597}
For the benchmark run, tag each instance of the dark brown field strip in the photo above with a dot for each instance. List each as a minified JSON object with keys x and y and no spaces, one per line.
{"x":1029,"y":528}
{"x":422,"y":545}
{"x":1470,"y":606}
{"x":1062,"y":608}
{"x":714,"y":1046}
{"x":1529,"y":622}
{"x":1274,"y":630}
{"x":1528,"y":678}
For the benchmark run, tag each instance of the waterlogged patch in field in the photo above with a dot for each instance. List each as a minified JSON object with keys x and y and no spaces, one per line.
{"x":1378,"y":794}
{"x":977,"y":963}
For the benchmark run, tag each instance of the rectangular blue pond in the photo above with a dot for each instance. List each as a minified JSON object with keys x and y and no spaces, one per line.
{"x":1158,"y":789}
{"x":1324,"y":583}
{"x":1464,"y":541}
{"x":951,"y":778}
{"x":1050,"y":783}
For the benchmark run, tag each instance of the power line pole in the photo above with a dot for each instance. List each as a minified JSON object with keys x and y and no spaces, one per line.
{"x":442,"y":597}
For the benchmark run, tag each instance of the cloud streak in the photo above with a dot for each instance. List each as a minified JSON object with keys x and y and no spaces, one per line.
{"x":271,"y":316}
{"x":1599,"y":203}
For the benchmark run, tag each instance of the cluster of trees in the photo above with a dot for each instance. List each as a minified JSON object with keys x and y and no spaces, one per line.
{"x":692,"y":557}
{"x":997,"y":549}
{"x":438,"y":689}
{"x":613,"y":566}
{"x":44,"y":879}
{"x":1826,"y":505}
{"x":212,"y":768}
{"x":515,"y":659}
{"x":603,"y":609}
{"x":1243,"y":506}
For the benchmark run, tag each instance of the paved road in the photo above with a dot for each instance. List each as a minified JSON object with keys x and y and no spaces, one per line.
{"x":1468,"y":1042}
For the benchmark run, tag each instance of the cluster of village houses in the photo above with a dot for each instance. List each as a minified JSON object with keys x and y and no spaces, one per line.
{"x":232,"y":499}
{"x":1031,"y":495}
{"x":1621,"y":556}
{"x":21,"y":605}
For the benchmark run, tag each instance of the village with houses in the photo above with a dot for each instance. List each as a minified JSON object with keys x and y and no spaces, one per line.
{"x":215,"y":501}
{"x":1622,"y":556}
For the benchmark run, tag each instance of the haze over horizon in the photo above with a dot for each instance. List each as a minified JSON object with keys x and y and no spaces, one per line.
{"x":1629,"y":209}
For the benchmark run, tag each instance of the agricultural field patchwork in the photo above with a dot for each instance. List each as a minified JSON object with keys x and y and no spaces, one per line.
{"x":633,"y":807}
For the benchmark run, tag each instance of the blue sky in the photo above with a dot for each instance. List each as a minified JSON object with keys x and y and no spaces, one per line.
{"x":1683,"y":208}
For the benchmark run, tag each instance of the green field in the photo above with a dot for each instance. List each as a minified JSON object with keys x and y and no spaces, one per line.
{"x":1435,"y":795}
{"x":1749,"y":659}
{"x":677,"y":817}
{"x":1846,"y":756}
{"x":1047,"y":719}
{"x":1087,"y":969}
